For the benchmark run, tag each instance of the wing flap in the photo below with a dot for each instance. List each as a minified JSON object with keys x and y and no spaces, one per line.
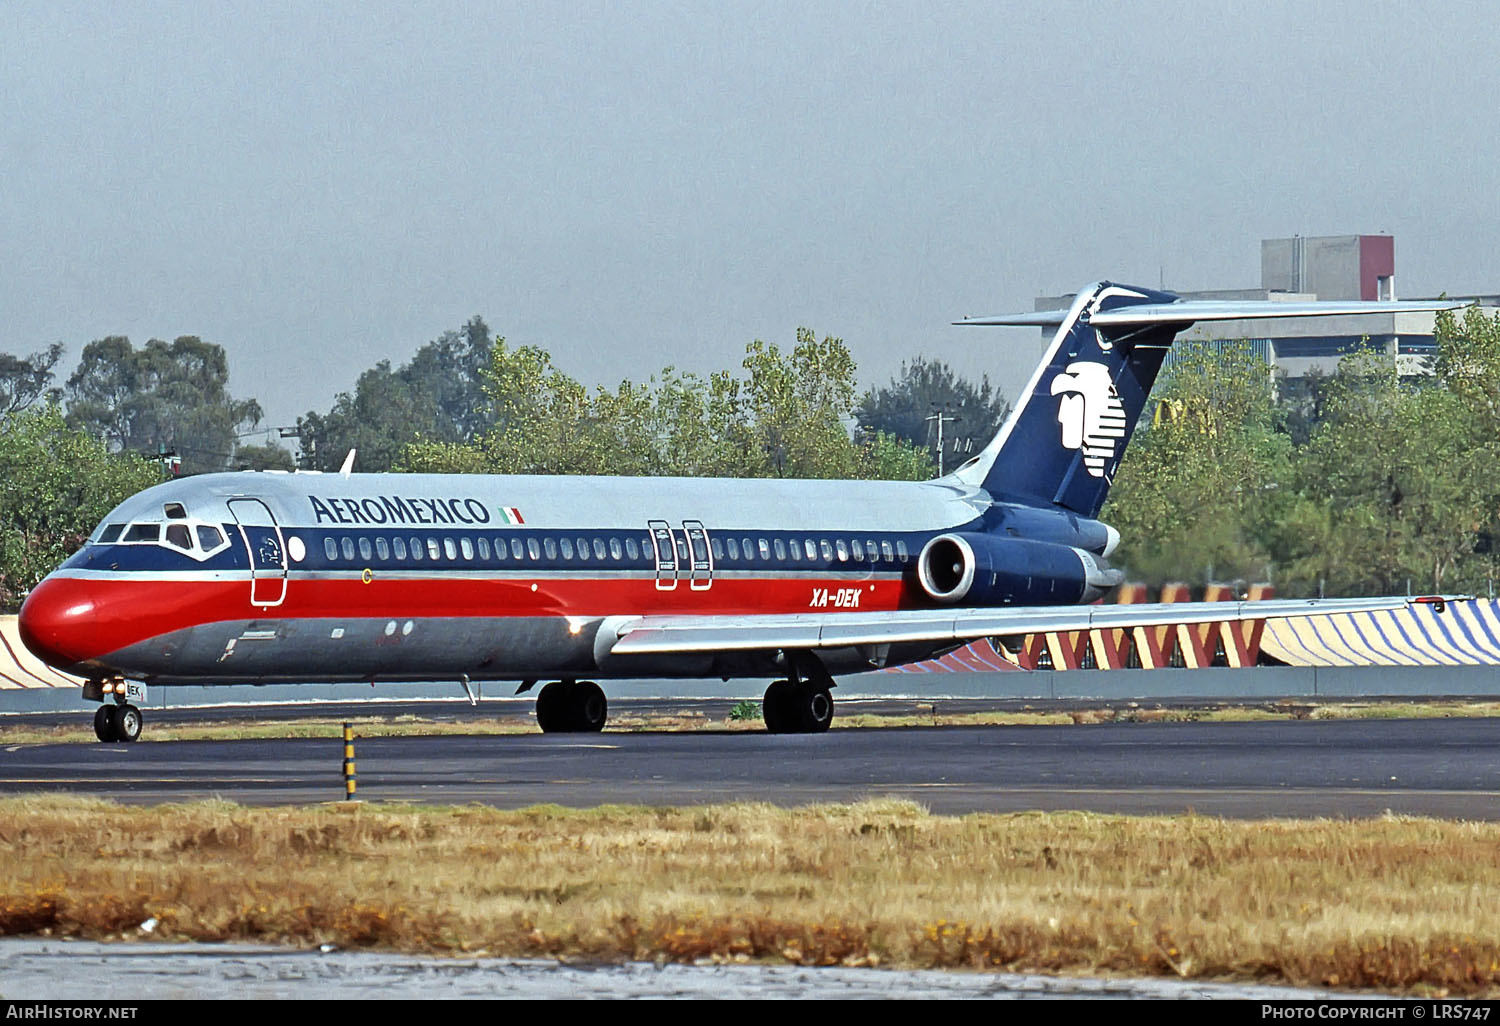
{"x":658,"y":635}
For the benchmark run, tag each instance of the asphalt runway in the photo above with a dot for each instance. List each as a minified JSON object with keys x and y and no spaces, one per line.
{"x":1343,"y":768}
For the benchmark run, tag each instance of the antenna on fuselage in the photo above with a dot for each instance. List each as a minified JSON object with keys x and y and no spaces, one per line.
{"x":348,"y":467}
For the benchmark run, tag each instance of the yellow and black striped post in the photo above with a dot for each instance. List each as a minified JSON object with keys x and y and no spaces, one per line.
{"x":349,"y":762}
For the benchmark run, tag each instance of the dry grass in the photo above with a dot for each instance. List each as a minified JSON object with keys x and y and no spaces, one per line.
{"x":922,"y":714}
{"x":1397,"y":903}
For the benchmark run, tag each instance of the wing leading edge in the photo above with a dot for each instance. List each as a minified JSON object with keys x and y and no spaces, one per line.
{"x":665,"y":635}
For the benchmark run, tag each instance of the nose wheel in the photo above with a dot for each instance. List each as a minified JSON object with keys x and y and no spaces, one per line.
{"x":118,"y":723}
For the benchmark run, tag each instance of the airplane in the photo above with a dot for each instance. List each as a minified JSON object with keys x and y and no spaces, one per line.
{"x":266,"y":577}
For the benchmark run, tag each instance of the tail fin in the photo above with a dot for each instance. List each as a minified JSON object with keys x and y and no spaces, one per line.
{"x":1063,"y":442}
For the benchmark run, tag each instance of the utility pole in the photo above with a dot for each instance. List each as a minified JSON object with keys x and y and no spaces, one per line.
{"x":940,"y":417}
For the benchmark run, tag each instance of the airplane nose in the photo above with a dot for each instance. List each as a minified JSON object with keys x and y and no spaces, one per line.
{"x":57,"y":622}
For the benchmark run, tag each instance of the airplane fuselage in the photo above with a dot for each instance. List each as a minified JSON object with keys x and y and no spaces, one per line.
{"x":243,"y":578}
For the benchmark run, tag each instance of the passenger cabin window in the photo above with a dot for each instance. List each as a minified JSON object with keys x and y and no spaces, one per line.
{"x":811,"y":548}
{"x":887,"y":552}
{"x":551,"y":547}
{"x":826,"y":549}
{"x":632,"y":548}
{"x":533,"y":549}
{"x":399,"y":544}
{"x":434,"y":551}
{"x":518,"y":550}
{"x":599,"y":548}
{"x":901,"y":552}
{"x":449,"y":549}
{"x":583,"y":548}
{"x":330,"y":548}
{"x":179,"y":537}
{"x":765,"y":549}
{"x":780,"y":549}
{"x":484,"y":548}
{"x":795,"y":548}
{"x":466,"y":546}
{"x":718,"y":549}
{"x":382,"y":548}
{"x":616,"y":551}
{"x":734,"y":548}
{"x":567,"y":548}
{"x":856,"y":550}
{"x":843,"y":551}
{"x":346,"y":546}
{"x":365,"y":552}
{"x":416,"y":550}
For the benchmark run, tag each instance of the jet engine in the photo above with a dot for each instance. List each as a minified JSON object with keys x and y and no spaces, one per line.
{"x":983,"y":570}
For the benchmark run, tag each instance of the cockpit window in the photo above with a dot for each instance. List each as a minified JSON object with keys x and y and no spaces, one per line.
{"x":179,"y":537}
{"x":110,"y":533}
{"x":174,"y":511}
{"x":142,"y":533}
{"x":209,"y":538}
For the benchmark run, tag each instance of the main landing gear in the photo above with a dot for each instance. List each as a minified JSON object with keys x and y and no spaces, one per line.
{"x":571,"y":707}
{"x":801,"y":705}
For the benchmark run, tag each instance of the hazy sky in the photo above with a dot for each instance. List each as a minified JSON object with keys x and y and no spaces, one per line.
{"x":320,"y":186}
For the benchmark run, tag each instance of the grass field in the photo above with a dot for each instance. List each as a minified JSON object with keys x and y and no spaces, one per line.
{"x":521,"y":720}
{"x":1396,"y":904}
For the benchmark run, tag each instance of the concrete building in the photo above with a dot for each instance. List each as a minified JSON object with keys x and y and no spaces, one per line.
{"x":1333,"y":267}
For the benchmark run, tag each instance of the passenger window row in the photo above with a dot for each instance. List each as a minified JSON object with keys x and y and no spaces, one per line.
{"x":743,"y":549}
{"x":417,"y":549}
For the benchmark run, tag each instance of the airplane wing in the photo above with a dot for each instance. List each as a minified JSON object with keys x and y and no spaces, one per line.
{"x":683,"y":634}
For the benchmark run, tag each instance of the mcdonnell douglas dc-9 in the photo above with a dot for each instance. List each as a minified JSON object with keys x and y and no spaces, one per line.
{"x":302,"y":577}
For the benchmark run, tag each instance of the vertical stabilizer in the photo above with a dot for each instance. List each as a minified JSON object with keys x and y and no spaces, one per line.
{"x":1064,"y":440}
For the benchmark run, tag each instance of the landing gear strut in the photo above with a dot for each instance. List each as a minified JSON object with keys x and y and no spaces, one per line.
{"x":571,"y":707}
{"x":801,"y":705}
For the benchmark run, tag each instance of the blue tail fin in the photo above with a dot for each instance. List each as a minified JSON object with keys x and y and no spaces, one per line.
{"x":1063,"y":442}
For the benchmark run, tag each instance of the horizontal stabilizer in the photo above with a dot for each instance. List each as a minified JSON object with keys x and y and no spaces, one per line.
{"x":1188,"y":311}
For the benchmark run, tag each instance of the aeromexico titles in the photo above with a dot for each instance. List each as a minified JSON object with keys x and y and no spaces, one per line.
{"x":265,"y":577}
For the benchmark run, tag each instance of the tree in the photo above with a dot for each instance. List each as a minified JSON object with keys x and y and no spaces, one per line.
{"x":265,"y":456}
{"x":786,"y":418}
{"x":925,"y":387}
{"x":1199,"y":483}
{"x":438,"y":397}
{"x":56,"y":484}
{"x":23,"y":381}
{"x":163,"y":397}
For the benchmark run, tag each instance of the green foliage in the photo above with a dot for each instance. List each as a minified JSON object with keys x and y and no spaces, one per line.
{"x":925,"y":387}
{"x":785,"y":418}
{"x":164,"y":396}
{"x":438,"y":397}
{"x":24,"y":380}
{"x":743,"y":711}
{"x":267,"y":456}
{"x":56,"y":483}
{"x":1197,"y":485}
{"x":1359,"y":482}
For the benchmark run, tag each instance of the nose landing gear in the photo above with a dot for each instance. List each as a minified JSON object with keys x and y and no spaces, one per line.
{"x":121,"y":721}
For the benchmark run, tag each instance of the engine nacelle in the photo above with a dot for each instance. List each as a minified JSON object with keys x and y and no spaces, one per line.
{"x":983,"y":570}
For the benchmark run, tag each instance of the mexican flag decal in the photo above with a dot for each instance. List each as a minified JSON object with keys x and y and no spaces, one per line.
{"x":512,"y":515}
